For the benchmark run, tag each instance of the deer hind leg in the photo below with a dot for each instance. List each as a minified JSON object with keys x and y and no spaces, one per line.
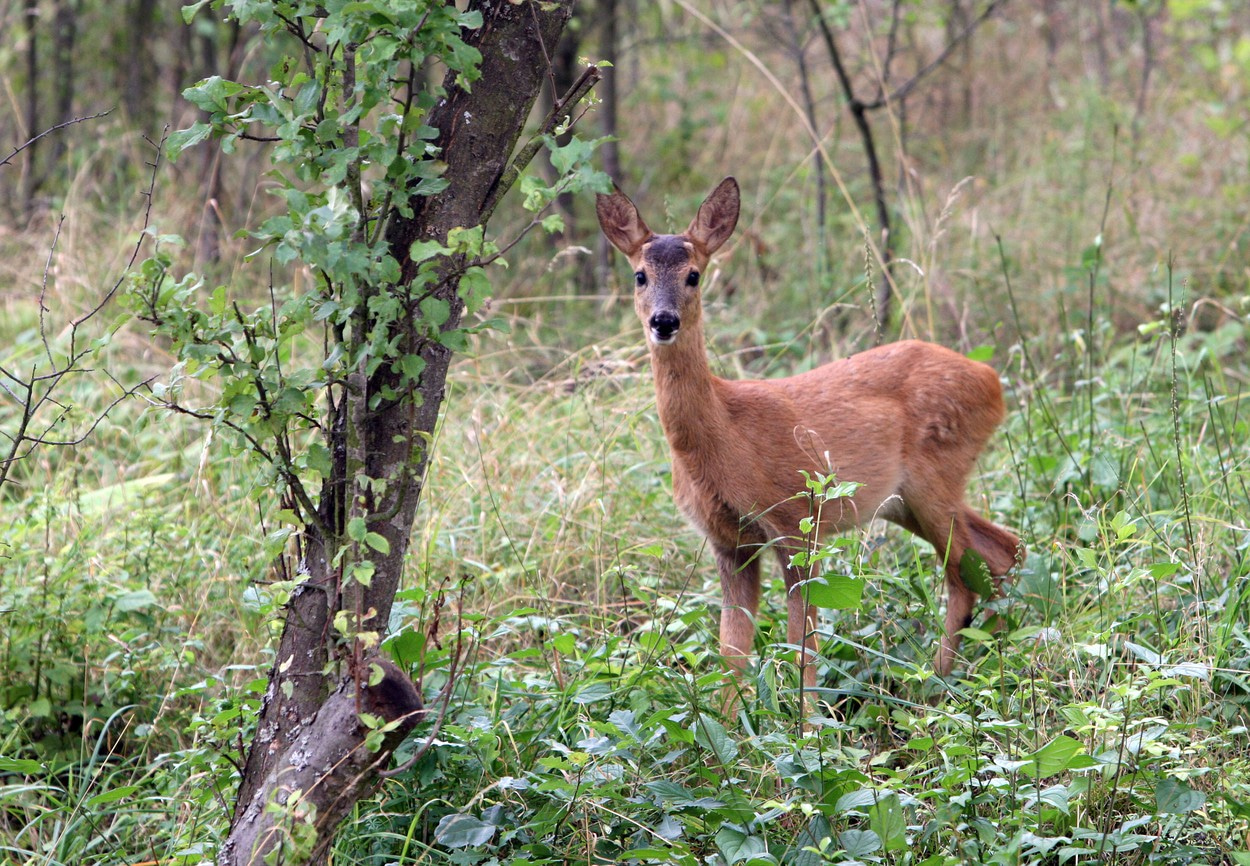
{"x":948,"y":533}
{"x":951,"y":535}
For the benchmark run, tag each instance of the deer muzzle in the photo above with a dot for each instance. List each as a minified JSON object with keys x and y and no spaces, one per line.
{"x":664,"y":327}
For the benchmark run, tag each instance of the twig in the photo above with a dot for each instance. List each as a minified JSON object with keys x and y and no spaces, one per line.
{"x":134,"y":254}
{"x":43,"y":290}
{"x":51,"y":130}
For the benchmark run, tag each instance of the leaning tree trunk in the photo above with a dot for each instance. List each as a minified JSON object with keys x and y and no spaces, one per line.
{"x":308,"y":763}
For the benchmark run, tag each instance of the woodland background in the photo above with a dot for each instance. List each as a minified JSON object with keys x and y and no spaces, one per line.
{"x":1067,"y":186}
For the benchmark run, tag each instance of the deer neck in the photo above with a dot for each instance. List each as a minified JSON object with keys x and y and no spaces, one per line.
{"x":686,"y":394}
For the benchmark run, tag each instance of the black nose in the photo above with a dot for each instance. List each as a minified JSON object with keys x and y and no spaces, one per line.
{"x":664,"y":325}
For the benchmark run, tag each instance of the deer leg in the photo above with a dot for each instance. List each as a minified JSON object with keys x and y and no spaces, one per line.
{"x":740,"y":602}
{"x":800,"y":621}
{"x":948,"y":533}
{"x":959,"y":602}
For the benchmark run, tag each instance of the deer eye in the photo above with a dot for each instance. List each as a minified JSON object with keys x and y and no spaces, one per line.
{"x":640,"y":279}
{"x":693,"y":279}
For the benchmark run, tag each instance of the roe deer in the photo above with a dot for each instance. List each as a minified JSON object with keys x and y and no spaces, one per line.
{"x":905,"y":420}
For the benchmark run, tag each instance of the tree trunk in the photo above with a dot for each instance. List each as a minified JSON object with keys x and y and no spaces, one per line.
{"x":610,"y":151}
{"x":138,"y":72}
{"x":30,"y":177}
{"x":308,"y":763}
{"x":64,"y":51}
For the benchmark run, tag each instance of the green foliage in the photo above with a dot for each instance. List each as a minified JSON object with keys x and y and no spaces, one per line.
{"x":347,"y":107}
{"x":348,"y":159}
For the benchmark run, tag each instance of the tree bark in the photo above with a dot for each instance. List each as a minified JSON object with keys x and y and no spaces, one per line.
{"x":64,"y":47}
{"x":308,"y":764}
{"x":610,"y":151}
{"x":29,"y":178}
{"x":138,"y":72}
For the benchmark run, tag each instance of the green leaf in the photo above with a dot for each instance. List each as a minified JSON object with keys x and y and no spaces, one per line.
{"x":1057,"y":756}
{"x":736,"y":846}
{"x":421,"y":251}
{"x":976,"y":573}
{"x":462,"y":831}
{"x":1174,"y":797}
{"x":680,"y":796}
{"x":412,"y":366}
{"x":406,"y":647}
{"x":187,"y":138}
{"x":435,"y":311}
{"x":567,"y":157}
{"x":592,"y":693}
{"x":474,"y":288}
{"x":1144,"y":654}
{"x":23,"y":766}
{"x":357,"y":529}
{"x":711,"y":735}
{"x":859,"y":843}
{"x":213,"y":93}
{"x":887,"y":820}
{"x":189,"y":11}
{"x":834,"y":591}
{"x":378,"y":543}
{"x":112,"y":795}
{"x":982,"y":354}
{"x":139,"y":599}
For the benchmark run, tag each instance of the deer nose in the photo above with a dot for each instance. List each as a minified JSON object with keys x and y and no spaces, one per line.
{"x":664,"y":326}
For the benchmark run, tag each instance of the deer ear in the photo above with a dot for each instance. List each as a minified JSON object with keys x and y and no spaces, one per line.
{"x":717,"y":216}
{"x":621,"y":222}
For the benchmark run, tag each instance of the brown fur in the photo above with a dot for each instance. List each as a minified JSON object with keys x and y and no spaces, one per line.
{"x":906,"y":420}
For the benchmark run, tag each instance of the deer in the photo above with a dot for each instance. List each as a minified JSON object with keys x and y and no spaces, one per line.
{"x":906,"y":421}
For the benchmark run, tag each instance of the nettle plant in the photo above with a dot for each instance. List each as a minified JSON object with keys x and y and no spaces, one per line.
{"x":386,"y":182}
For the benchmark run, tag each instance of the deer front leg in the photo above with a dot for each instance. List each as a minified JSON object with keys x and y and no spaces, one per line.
{"x":801,"y":626}
{"x":740,"y":602}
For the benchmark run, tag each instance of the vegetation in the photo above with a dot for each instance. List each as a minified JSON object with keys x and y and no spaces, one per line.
{"x":1068,"y":196}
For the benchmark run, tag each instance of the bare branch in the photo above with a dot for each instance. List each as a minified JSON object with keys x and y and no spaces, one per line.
{"x":908,"y":86}
{"x":51,"y":130}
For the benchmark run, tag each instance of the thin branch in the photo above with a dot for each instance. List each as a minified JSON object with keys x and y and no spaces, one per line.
{"x":43,"y":290}
{"x":51,"y":130}
{"x":551,"y":72}
{"x":859,"y":115}
{"x":891,"y":45}
{"x":134,"y":254}
{"x":908,"y":86}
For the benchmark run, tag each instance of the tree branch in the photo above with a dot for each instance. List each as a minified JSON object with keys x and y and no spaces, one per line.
{"x":51,"y":130}
{"x":908,"y":86}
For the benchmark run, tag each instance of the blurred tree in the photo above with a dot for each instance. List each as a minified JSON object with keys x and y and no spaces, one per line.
{"x":138,"y":74}
{"x":886,"y":94}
